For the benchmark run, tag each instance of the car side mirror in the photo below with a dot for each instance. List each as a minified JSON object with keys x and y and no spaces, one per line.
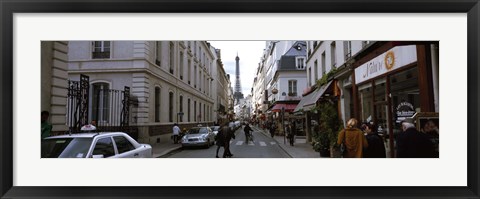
{"x":97,"y":156}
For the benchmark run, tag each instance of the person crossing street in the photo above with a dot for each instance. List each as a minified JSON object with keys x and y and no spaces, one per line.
{"x":220,"y":141}
{"x":228,"y":135}
{"x":247,"y":131}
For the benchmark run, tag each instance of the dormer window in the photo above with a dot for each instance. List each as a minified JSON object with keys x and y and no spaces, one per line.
{"x":300,"y":62}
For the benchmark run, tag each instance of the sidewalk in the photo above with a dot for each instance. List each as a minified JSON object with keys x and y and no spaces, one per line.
{"x":164,"y":147}
{"x":300,"y":149}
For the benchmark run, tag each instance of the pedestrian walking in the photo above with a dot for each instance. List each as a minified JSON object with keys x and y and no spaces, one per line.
{"x":228,"y":134}
{"x":175,"y":133}
{"x":272,"y":129}
{"x":247,"y":131}
{"x":413,"y":144}
{"x":290,"y":134}
{"x":376,"y":148}
{"x":46,"y":127}
{"x":353,"y":140}
{"x":220,"y":141}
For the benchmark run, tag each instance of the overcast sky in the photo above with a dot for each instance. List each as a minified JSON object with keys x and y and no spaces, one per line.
{"x":249,"y":53}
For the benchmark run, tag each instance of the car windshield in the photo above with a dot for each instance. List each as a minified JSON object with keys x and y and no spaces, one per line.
{"x":198,"y":131}
{"x":65,"y":147}
{"x":215,"y":128}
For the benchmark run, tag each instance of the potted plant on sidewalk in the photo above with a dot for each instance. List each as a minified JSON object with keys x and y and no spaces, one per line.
{"x":325,"y":137}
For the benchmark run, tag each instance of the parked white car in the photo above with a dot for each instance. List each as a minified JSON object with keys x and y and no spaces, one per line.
{"x":94,"y":145}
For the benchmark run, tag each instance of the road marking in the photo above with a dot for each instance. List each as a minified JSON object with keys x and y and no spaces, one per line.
{"x":251,"y":143}
{"x":263,"y":144}
{"x":273,"y":143}
{"x":239,"y":142}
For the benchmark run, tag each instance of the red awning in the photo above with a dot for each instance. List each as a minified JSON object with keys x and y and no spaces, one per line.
{"x":288,"y":107}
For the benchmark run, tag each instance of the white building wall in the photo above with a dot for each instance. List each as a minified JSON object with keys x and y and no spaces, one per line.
{"x":283,"y":80}
{"x":54,"y":82}
{"x":137,"y":58}
{"x":340,"y":51}
{"x":140,"y":89}
{"x":325,"y":47}
{"x":215,"y":86}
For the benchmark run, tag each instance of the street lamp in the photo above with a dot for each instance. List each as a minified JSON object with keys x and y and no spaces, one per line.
{"x":274,"y":91}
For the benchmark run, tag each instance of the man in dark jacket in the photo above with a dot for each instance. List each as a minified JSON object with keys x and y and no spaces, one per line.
{"x":228,"y":135}
{"x":272,"y":129}
{"x":247,"y":131}
{"x":376,"y":148}
{"x":220,"y":141}
{"x":413,"y":144}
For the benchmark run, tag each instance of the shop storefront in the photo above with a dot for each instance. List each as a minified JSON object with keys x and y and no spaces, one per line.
{"x":394,"y":85}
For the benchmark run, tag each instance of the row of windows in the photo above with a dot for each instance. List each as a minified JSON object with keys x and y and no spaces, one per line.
{"x":104,"y":105}
{"x":204,"y":115}
{"x":102,"y":50}
{"x":347,"y":53}
{"x":198,"y":77}
{"x":333,"y":60}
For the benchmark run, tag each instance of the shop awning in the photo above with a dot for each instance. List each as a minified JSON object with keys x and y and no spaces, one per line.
{"x":288,"y":107}
{"x":310,"y":103}
{"x":302,"y":102}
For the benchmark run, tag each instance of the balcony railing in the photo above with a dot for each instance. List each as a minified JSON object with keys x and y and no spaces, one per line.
{"x":100,"y":55}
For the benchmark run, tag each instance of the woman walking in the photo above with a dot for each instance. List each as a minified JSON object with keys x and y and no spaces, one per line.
{"x":353,"y":139}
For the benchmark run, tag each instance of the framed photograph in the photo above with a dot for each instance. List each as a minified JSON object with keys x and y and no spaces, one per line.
{"x":26,"y":25}
{"x":426,"y":119}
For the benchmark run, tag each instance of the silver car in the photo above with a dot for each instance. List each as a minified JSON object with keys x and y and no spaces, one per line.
{"x":94,"y":145}
{"x":199,"y":136}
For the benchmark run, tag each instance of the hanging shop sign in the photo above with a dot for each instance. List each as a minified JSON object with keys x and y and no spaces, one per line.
{"x":404,"y":110}
{"x":395,"y":58}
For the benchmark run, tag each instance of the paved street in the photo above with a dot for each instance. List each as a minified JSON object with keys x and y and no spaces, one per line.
{"x":261,"y":147}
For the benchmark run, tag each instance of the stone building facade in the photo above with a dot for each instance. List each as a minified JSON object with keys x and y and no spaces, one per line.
{"x":170,"y":82}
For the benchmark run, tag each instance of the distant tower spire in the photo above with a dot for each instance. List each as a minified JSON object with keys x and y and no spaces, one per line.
{"x":238,"y":88}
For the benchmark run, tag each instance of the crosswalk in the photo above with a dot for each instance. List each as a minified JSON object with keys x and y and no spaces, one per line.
{"x":254,"y":143}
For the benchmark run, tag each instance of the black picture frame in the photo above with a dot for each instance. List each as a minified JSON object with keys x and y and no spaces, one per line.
{"x":10,"y":7}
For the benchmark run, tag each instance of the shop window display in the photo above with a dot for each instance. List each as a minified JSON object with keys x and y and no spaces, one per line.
{"x":405,"y":94}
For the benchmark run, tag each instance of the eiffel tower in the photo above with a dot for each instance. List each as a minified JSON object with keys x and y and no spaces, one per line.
{"x":237,"y":95}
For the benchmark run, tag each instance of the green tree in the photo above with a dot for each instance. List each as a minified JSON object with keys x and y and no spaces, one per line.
{"x":325,"y":135}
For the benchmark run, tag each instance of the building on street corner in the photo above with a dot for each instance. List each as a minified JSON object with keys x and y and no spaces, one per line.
{"x":381,"y":82}
{"x":142,"y":86}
